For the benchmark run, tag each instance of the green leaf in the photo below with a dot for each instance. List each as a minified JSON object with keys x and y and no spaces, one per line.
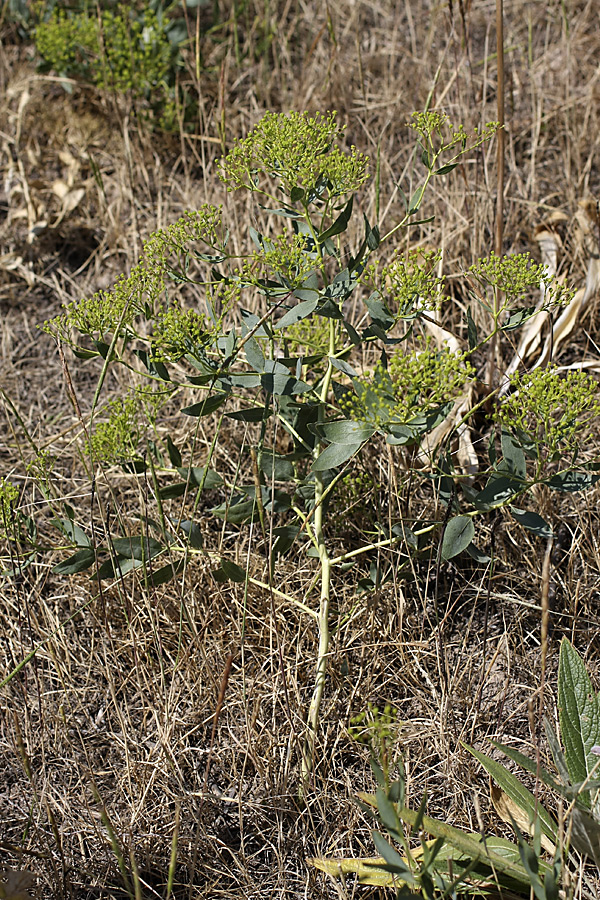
{"x":301,"y":311}
{"x":252,"y":414}
{"x":532,"y":522}
{"x":498,"y":491}
{"x":513,"y":461}
{"x":120,"y":566}
{"x":477,"y":555}
{"x":237,"y":513}
{"x":497,"y":854}
{"x":342,"y":366}
{"x":174,"y":454}
{"x":342,"y":285}
{"x":557,"y":755}
{"x":579,"y":714}
{"x":379,"y":312}
{"x":518,"y":793}
{"x":585,"y":834}
{"x":229,"y":571}
{"x":443,"y":170}
{"x":79,"y":562}
{"x":276,"y":467}
{"x":205,"y":407}
{"x":531,"y":766}
{"x":198,"y":476}
{"x":334,"y":455}
{"x":82,"y":353}
{"x":387,"y":814}
{"x":254,"y":355}
{"x":569,"y":482}
{"x":137,"y":547}
{"x":165,"y":573}
{"x":194,"y":534}
{"x":416,"y":200}
{"x":330,"y":310}
{"x":394,"y":862}
{"x":72,"y":531}
{"x":171,"y":491}
{"x":471,"y":330}
{"x":285,"y":212}
{"x":458,"y":534}
{"x":531,"y":865}
{"x":282,"y":385}
{"x":285,"y":535}
{"x":372,"y":235}
{"x":518,"y":318}
{"x":343,"y":431}
{"x":340,"y":224}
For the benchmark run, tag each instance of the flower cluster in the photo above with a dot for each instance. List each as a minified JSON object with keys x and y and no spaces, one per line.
{"x":375,"y":724}
{"x":136,"y":294}
{"x":204,"y":225}
{"x":413,"y":384}
{"x":8,"y":498}
{"x":42,"y":467}
{"x":66,"y":41}
{"x":116,"y":440}
{"x":408,"y":283}
{"x":309,"y":335}
{"x":300,"y":151}
{"x":518,"y":275}
{"x":291,"y":258}
{"x":440,"y":135}
{"x":549,"y":408}
{"x":105,"y":312}
{"x":178,"y":331}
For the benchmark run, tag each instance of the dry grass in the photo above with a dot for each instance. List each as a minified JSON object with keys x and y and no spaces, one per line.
{"x":112,"y":721}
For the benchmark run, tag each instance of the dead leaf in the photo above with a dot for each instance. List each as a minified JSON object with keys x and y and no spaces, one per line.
{"x":60,"y":188}
{"x":369,"y":871}
{"x":509,"y":812}
{"x":70,"y":200}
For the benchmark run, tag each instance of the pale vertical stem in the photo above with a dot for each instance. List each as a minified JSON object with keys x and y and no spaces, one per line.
{"x":312,"y":724}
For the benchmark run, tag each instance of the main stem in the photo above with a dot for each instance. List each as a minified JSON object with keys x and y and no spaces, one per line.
{"x":312,"y":724}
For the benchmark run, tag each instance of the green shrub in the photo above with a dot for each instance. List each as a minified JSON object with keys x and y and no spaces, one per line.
{"x":117,"y":50}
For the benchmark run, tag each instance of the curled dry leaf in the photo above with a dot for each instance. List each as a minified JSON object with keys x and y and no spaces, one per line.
{"x":566,"y":322}
{"x":509,"y":812}
{"x":587,"y":223}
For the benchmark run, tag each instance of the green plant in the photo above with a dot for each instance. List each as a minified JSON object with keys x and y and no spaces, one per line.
{"x":122,"y":50}
{"x":180,"y":319}
{"x":453,"y":863}
{"x":578,"y":766}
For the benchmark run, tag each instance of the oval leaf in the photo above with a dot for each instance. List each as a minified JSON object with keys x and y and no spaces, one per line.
{"x":206,"y":407}
{"x":459,"y":533}
{"x":335,"y":455}
{"x":229,"y":571}
{"x":79,"y":562}
{"x":532,"y":522}
{"x":344,"y":431}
